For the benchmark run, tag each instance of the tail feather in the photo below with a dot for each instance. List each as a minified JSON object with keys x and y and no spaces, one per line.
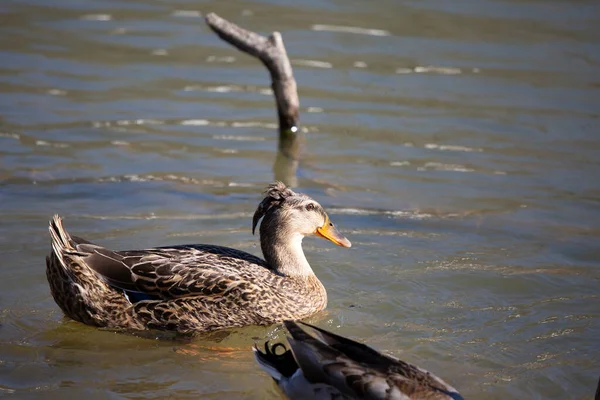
{"x":60,"y":238}
{"x":62,"y":243}
{"x":266,"y":364}
{"x":279,"y":366}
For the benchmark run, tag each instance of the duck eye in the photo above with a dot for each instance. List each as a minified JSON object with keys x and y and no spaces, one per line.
{"x":310,"y":207}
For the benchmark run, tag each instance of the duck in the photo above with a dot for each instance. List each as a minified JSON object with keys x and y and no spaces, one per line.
{"x":329,"y":366}
{"x":198,"y":287}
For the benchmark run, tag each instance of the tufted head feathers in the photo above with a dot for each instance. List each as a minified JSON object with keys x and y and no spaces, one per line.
{"x":287,"y":213}
{"x":276,"y":193}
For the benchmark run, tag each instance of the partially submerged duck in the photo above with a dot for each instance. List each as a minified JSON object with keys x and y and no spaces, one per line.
{"x":334,"y":367}
{"x":195,"y":288}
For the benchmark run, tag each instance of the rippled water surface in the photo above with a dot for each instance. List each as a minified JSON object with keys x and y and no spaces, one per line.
{"x":455,"y":143}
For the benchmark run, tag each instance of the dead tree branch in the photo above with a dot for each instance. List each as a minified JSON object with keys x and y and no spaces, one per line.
{"x":271,"y":52}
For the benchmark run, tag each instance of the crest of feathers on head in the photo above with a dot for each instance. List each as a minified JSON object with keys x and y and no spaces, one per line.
{"x":276,"y":193}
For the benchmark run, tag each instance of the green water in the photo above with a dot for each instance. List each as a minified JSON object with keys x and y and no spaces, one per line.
{"x":454,"y":143}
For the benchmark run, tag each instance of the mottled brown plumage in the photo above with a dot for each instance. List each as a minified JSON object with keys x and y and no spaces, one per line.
{"x":194,"y":288}
{"x":334,"y":367}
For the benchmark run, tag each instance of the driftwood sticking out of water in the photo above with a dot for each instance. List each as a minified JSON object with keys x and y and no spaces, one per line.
{"x":271,"y":52}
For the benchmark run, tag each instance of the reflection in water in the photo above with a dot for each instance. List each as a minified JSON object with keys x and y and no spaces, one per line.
{"x":288,"y":156}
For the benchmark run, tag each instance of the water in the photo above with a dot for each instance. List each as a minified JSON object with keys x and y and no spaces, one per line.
{"x":456,"y":145}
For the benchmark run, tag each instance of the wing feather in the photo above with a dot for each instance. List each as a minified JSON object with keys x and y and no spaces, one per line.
{"x":173,"y":272}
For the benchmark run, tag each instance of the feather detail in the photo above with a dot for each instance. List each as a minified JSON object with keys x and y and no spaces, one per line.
{"x":192,"y":288}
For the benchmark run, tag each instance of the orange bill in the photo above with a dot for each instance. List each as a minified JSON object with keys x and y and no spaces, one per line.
{"x":329,"y":232}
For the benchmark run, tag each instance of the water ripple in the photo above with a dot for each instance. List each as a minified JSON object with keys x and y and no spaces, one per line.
{"x":349,"y":29}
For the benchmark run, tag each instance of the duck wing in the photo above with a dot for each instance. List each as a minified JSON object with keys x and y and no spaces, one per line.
{"x":355,"y":350}
{"x":170,"y":272}
{"x":358,"y":370}
{"x":321,"y":363}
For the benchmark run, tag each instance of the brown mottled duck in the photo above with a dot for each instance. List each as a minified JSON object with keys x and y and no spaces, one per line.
{"x":196,"y":288}
{"x":330,"y":366}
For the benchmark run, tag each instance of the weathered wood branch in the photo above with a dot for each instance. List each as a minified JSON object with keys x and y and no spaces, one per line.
{"x":271,"y":52}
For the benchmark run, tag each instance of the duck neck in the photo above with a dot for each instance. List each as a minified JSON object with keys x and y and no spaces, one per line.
{"x":282,"y":250}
